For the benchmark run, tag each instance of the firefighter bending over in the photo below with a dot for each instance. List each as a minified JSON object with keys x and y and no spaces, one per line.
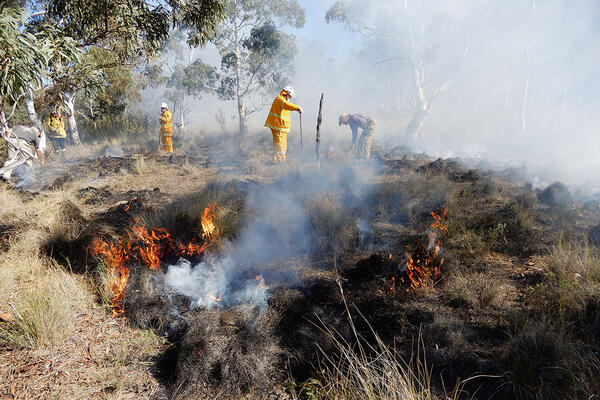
{"x":279,"y":121}
{"x":166,"y":128}
{"x":56,"y":132}
{"x":367,"y":124}
{"x":23,"y":146}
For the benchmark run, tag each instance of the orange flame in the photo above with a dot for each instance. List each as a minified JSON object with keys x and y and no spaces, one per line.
{"x":148,"y":246}
{"x":207,"y":221}
{"x":423,"y":266}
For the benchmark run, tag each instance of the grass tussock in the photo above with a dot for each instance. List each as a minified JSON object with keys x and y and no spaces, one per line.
{"x":412,"y":199}
{"x":375,"y":371}
{"x":538,"y":361}
{"x":42,"y":315}
{"x":571,"y":286}
{"x":233,"y":351}
{"x":333,"y":226}
{"x":477,"y":289}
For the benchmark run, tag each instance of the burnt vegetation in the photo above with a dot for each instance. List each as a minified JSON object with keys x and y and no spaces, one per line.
{"x":504,"y":299}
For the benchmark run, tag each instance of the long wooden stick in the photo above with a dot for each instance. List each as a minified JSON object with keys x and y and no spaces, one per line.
{"x":319,"y":120}
{"x":301,"y":152}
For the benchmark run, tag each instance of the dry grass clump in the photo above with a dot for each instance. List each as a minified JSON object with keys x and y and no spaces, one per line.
{"x":412,"y":199}
{"x":475,"y":288}
{"x":333,"y":226}
{"x":233,"y":351}
{"x":363,"y":371}
{"x":42,"y":314}
{"x":547,"y":356}
{"x":447,"y":332}
{"x":538,"y":362}
{"x":571,"y":286}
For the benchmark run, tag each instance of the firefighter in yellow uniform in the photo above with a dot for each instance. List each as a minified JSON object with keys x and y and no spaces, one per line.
{"x":56,"y":131}
{"x":279,"y":121}
{"x":166,"y":128}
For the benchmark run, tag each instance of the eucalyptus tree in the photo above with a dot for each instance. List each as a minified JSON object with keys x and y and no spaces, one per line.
{"x":25,"y":58}
{"x":426,"y":45}
{"x":183,"y":74}
{"x":128,"y":30}
{"x":256,"y":55}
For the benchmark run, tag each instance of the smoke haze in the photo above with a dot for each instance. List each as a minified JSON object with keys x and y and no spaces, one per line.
{"x":278,"y":231}
{"x":517,"y":81}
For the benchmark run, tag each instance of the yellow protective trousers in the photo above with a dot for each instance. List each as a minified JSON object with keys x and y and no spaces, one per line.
{"x":279,"y":146}
{"x":167,"y":142}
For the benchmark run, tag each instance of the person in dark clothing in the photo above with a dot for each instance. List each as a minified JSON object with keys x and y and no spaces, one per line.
{"x":367,"y":124}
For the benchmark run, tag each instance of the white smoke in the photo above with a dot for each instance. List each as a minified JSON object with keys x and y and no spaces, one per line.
{"x":277,"y":233}
{"x":206,"y":282}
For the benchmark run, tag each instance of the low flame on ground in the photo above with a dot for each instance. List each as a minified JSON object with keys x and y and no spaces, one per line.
{"x":149,"y":246}
{"x":423,"y":265}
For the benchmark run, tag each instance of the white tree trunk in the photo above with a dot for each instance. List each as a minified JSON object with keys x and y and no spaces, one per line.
{"x":182,"y":114}
{"x":69,"y":101}
{"x":31,"y":113}
{"x":238,"y":76}
{"x":3,"y":123}
{"x":412,"y":130}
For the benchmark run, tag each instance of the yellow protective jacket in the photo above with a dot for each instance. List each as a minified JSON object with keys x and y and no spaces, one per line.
{"x":56,"y":127}
{"x":166,"y":123}
{"x":280,"y":116}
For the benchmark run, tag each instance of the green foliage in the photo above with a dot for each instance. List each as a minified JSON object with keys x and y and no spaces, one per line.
{"x":132,"y":27}
{"x":25,"y":56}
{"x":256,"y":56}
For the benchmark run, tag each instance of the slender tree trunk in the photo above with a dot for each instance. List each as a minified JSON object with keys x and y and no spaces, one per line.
{"x":318,"y":141}
{"x":31,"y":113}
{"x":69,"y":101}
{"x":3,"y":123}
{"x":182,"y":114}
{"x":412,"y":130}
{"x":238,"y":76}
{"x":525,"y":93}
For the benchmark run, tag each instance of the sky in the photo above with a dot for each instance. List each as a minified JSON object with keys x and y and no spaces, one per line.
{"x":337,"y":41}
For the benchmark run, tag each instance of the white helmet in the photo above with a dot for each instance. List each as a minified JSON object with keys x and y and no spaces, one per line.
{"x":289,"y":90}
{"x":164,"y":105}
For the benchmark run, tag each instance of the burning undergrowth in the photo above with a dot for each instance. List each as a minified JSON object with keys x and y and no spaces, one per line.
{"x":212,"y":296}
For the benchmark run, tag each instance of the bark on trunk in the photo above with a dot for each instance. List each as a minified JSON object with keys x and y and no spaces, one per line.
{"x":318,"y":141}
{"x":32,"y":114}
{"x":238,"y":76}
{"x":3,"y":123}
{"x":413,"y":128}
{"x":182,"y":114}
{"x":69,"y":101}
